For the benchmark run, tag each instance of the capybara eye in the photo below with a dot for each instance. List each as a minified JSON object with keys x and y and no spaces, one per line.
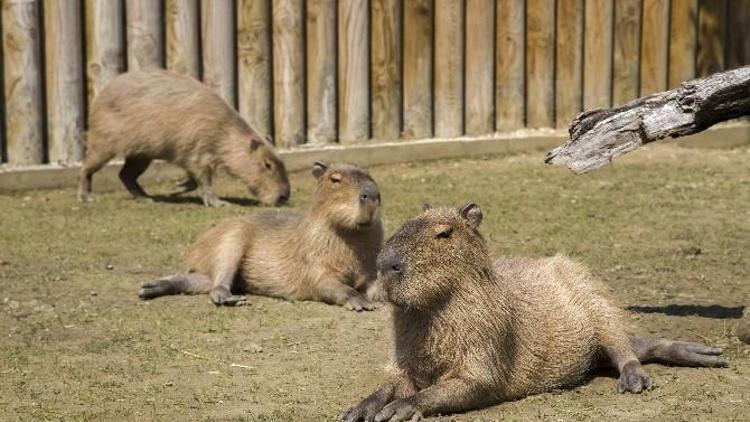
{"x":445,"y":233}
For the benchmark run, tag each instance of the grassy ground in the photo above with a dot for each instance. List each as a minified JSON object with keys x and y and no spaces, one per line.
{"x":667,"y":228}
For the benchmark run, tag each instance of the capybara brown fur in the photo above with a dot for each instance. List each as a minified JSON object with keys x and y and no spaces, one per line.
{"x":327,"y":255}
{"x":470,"y":332}
{"x":142,"y":116}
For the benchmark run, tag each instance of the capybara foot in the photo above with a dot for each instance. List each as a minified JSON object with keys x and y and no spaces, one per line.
{"x":143,"y":198}
{"x":633,"y":378}
{"x":743,"y":328}
{"x":155,"y":288}
{"x":359,"y":303}
{"x":220,"y":295}
{"x":398,"y":411}
{"x":363,"y":412}
{"x":679,"y":352}
{"x":85,"y":197}
{"x":214,"y":202}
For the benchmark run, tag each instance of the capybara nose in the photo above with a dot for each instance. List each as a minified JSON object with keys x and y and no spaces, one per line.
{"x":369,"y":193}
{"x":284,"y":197}
{"x":389,"y":263}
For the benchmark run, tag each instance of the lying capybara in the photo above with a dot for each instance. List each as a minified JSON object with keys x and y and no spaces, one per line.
{"x":326,"y":255}
{"x":143,"y":116}
{"x":471,"y":333}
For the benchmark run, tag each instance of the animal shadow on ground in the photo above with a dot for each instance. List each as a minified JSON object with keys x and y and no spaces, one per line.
{"x":706,"y":311}
{"x":179,"y":199}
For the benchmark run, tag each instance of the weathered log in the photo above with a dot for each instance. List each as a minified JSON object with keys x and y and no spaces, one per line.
{"x":599,"y":136}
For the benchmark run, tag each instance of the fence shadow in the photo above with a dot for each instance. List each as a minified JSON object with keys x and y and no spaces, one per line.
{"x":706,"y":311}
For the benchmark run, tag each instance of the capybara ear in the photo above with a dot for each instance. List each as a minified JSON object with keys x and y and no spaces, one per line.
{"x":255,"y":144}
{"x":270,"y":140}
{"x":426,"y":206}
{"x":319,"y":168}
{"x":472,"y":214}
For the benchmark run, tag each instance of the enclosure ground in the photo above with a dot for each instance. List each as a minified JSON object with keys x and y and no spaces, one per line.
{"x":667,"y":228}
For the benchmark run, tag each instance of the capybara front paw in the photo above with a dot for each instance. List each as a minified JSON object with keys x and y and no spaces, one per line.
{"x":220,"y":295}
{"x":359,"y":303}
{"x":85,"y":197}
{"x":214,"y":202}
{"x":363,"y":412}
{"x":633,"y":379}
{"x":398,"y":411}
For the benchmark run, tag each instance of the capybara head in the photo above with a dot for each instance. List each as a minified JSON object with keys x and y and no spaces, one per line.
{"x":257,"y":165}
{"x":346,"y":195}
{"x":433,"y":255}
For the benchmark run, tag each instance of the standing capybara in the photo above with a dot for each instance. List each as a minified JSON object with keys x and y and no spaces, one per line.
{"x":143,"y":116}
{"x":471,"y":333}
{"x":326,"y":255}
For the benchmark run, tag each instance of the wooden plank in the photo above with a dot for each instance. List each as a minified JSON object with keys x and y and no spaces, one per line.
{"x":354,"y":85}
{"x":712,"y":25}
{"x":627,"y":41}
{"x":385,"y":82}
{"x":479,"y":111}
{"x":217,"y":18}
{"x":144,"y":34}
{"x":682,"y":41}
{"x":254,"y":64}
{"x":510,"y":41}
{"x":23,"y":82}
{"x":417,"y":69}
{"x":321,"y":71}
{"x":597,"y":60}
{"x":105,"y":44}
{"x":540,"y":63}
{"x":64,"y":77}
{"x":288,"y":73}
{"x":654,"y":46}
{"x":183,"y":37}
{"x":569,"y":66}
{"x":449,"y":68}
{"x":738,"y":39}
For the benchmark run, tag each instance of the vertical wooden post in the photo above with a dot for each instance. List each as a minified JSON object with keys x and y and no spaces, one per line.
{"x":449,"y":68}
{"x":417,"y":71}
{"x":183,"y":37}
{"x":105,"y":44}
{"x":288,"y":72}
{"x":540,"y":63}
{"x":385,"y":80}
{"x":510,"y":101}
{"x":145,"y":43}
{"x":626,"y":48}
{"x":321,"y":71}
{"x":3,"y":155}
{"x":597,"y":61}
{"x":23,"y":80}
{"x":64,"y":64}
{"x":354,"y":51}
{"x":254,"y":63}
{"x":738,"y":42}
{"x":654,"y":46}
{"x":218,"y":47}
{"x":712,"y":26}
{"x":569,"y":70}
{"x":682,"y":41}
{"x":480,"y":52}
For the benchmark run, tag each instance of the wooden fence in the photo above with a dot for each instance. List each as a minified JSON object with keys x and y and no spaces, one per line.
{"x":323,"y":71}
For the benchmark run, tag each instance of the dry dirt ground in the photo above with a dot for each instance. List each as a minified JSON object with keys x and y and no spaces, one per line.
{"x":667,"y":228}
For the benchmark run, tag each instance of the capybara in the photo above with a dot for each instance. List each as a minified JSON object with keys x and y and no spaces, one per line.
{"x":327,"y":255}
{"x":143,"y":116}
{"x":470,"y":332}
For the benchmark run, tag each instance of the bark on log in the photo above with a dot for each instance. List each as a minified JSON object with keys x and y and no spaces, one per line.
{"x":599,"y":136}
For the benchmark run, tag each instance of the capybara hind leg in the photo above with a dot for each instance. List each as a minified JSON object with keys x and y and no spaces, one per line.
{"x":131,"y":170}
{"x":336,"y":293}
{"x":191,"y":283}
{"x":228,"y":260}
{"x":650,"y":349}
{"x":621,"y":356}
{"x":92,"y":163}
{"x":209,"y":197}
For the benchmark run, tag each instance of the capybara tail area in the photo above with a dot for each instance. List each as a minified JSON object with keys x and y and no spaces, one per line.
{"x":680,"y":353}
{"x":191,"y":283}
